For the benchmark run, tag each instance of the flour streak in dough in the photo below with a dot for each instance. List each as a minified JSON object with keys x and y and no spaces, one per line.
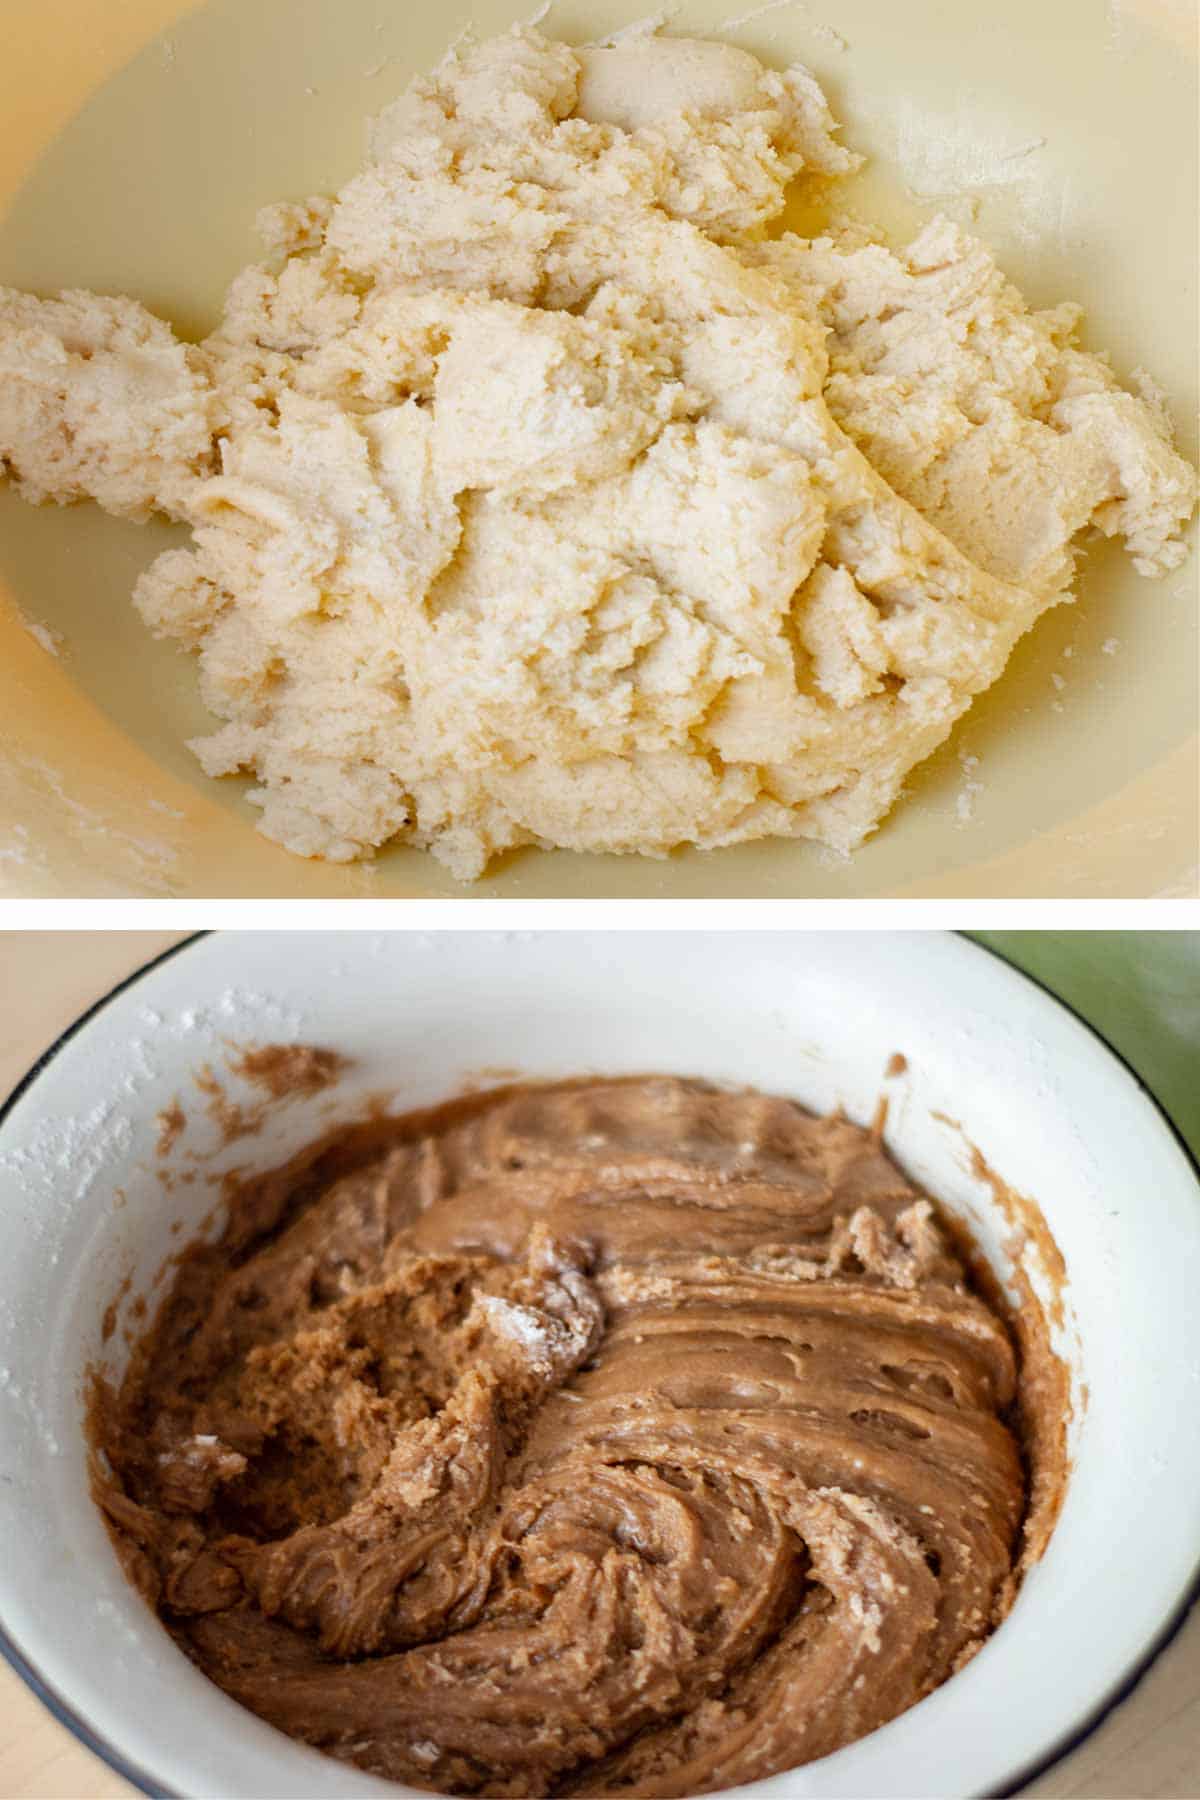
{"x":539,"y":498}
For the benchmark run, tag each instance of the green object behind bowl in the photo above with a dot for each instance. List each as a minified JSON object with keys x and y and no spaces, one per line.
{"x":1139,"y":989}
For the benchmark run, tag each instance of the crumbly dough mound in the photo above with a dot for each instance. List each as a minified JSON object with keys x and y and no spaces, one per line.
{"x":99,"y":400}
{"x":615,"y":1437}
{"x":538,"y":498}
{"x":983,"y":414}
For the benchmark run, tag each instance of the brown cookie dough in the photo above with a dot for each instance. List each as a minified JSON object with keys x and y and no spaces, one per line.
{"x":607,"y":1437}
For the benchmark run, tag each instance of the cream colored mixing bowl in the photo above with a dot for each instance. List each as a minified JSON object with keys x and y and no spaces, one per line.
{"x":139,"y":142}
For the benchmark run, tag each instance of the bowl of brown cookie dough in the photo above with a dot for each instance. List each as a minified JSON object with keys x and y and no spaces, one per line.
{"x":591,"y":1362}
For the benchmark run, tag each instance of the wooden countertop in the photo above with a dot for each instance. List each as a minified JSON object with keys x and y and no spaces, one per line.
{"x":1147,"y":1749}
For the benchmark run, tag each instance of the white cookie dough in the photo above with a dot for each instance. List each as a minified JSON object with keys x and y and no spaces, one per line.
{"x":539,"y":498}
{"x":98,"y":400}
{"x":985,"y":415}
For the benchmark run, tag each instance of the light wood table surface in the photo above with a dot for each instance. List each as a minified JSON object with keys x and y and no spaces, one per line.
{"x":1147,"y":1749}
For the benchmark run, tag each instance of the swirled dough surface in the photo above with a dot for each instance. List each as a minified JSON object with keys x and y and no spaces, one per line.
{"x":540,"y":497}
{"x":608,"y":1437}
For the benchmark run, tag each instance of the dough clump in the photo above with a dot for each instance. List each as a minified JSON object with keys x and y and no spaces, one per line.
{"x":539,"y":497}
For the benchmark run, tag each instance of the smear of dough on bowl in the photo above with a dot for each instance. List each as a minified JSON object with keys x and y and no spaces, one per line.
{"x":540,"y":496}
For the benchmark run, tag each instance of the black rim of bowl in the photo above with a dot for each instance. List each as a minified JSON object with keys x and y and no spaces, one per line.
{"x":99,"y":1746}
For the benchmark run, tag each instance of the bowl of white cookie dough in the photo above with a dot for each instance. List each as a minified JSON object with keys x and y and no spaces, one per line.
{"x":232,"y":1054}
{"x":445,"y":544}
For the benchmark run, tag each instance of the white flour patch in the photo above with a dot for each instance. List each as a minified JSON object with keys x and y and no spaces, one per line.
{"x":817,"y":27}
{"x":523,"y":1326}
{"x":66,"y":1155}
{"x":18,"y":849}
{"x":150,"y":860}
{"x":51,"y":641}
{"x":640,"y":28}
{"x":969,"y":792}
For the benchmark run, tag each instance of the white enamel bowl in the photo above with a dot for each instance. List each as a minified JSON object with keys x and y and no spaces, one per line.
{"x":1050,"y":1108}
